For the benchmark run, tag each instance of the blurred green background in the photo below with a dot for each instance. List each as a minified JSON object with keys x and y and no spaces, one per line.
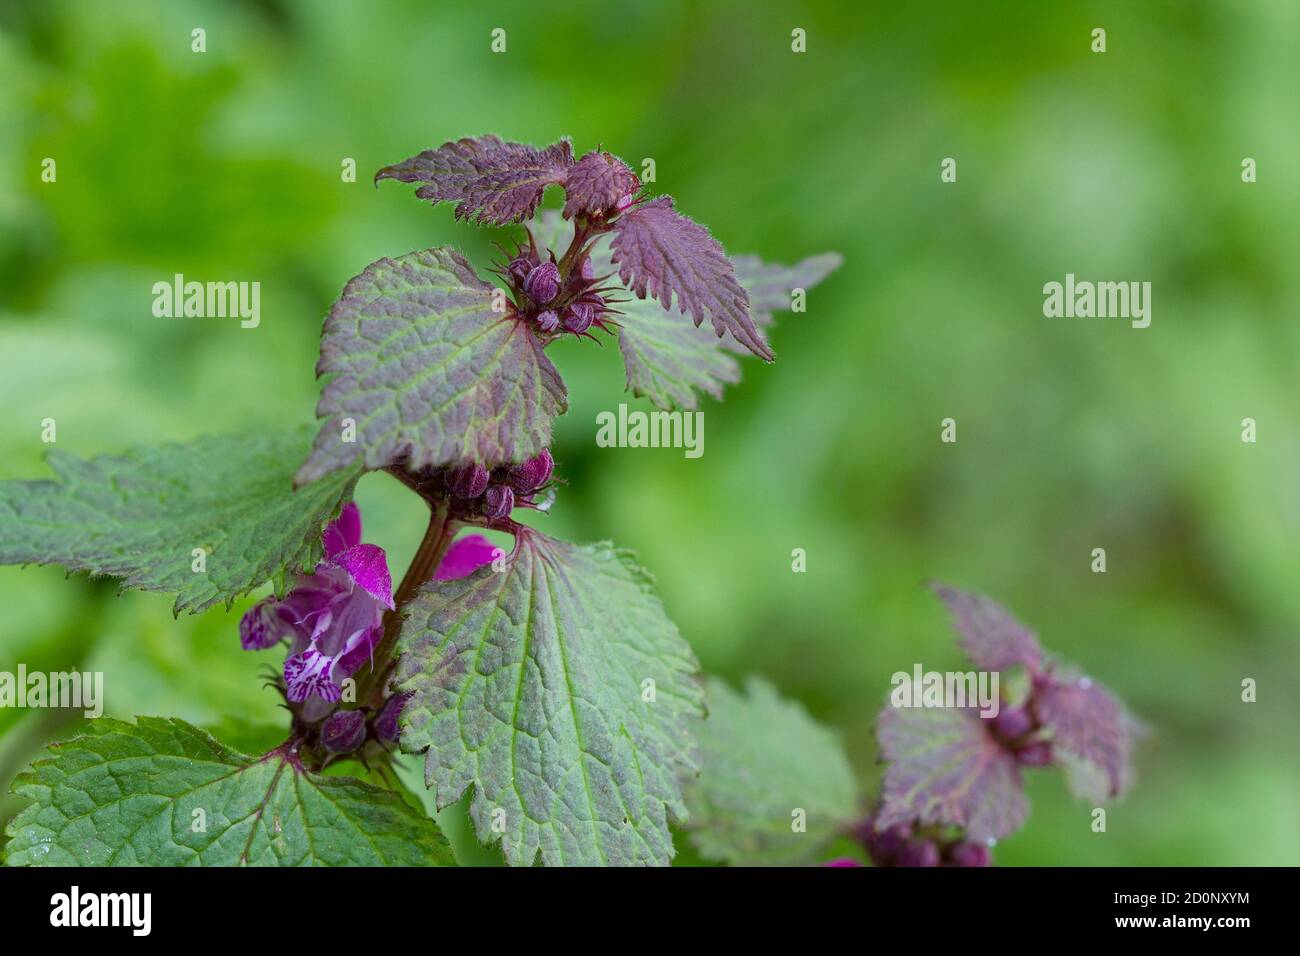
{"x":1072,"y":434}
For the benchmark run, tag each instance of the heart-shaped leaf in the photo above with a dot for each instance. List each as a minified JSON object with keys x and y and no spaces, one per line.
{"x":209,"y":520}
{"x":945,"y":766}
{"x":420,"y":365}
{"x":163,"y":793}
{"x":559,"y":689}
{"x":775,"y":787}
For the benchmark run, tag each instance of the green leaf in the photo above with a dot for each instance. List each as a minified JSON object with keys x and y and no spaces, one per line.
{"x":131,"y":794}
{"x":763,"y":760}
{"x":560,"y":690}
{"x":140,"y":516}
{"x":423,"y":367}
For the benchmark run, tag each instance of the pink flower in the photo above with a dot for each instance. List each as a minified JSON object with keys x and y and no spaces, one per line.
{"x":465,"y":557}
{"x":332,"y":617}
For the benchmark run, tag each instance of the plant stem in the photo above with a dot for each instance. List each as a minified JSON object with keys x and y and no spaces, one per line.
{"x":437,"y":539}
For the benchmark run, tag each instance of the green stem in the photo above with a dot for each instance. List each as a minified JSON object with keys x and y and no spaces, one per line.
{"x":437,"y":539}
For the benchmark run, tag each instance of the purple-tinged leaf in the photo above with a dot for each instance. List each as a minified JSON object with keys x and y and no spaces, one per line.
{"x":560,"y":691}
{"x":661,"y":253}
{"x":945,"y":766}
{"x":668,"y":359}
{"x":770,"y":286}
{"x":991,"y":637}
{"x":491,"y":181}
{"x":424,"y":367}
{"x":1090,"y":729}
{"x":596,"y":183}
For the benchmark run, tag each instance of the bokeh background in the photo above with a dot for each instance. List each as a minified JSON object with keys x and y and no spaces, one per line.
{"x":1072,"y":434}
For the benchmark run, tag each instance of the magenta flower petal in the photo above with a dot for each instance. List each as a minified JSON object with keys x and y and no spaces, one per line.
{"x":261,"y":626}
{"x":360,"y":649}
{"x":465,"y":557}
{"x":344,"y":531}
{"x":368,"y":566}
{"x":308,"y":674}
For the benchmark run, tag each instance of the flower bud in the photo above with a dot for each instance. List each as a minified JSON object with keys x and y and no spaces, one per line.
{"x":548,"y":320}
{"x":344,"y":731}
{"x":919,"y":853}
{"x":970,"y":854}
{"x":498,"y":501}
{"x":1013,"y":722}
{"x":468,"y":481}
{"x":532,"y":474}
{"x":578,"y":316}
{"x":543,"y":283}
{"x":884,"y":845}
{"x":519,"y":268}
{"x":386,"y":720}
{"x":588,"y":271}
{"x":1035,"y":755}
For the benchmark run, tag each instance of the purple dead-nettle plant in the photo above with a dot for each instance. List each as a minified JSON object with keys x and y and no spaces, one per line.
{"x":546,"y":680}
{"x":953,"y":780}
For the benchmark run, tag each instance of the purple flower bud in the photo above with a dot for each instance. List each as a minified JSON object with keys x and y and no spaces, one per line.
{"x":498,"y":501}
{"x":970,"y":854}
{"x":1035,"y":755}
{"x":884,"y":845}
{"x":543,"y":283}
{"x":468,"y":481}
{"x":386,"y":720}
{"x":1013,"y":722}
{"x":532,"y":474}
{"x":919,"y":853}
{"x":344,"y":731}
{"x":578,"y":316}
{"x":588,"y":271}
{"x":519,"y":268}
{"x":548,"y":320}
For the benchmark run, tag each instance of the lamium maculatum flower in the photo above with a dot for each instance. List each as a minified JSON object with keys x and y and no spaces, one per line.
{"x":465,"y":557}
{"x":333,"y":617}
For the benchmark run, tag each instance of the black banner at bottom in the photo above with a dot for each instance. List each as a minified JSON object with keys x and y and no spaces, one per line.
{"x":335,"y":906}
